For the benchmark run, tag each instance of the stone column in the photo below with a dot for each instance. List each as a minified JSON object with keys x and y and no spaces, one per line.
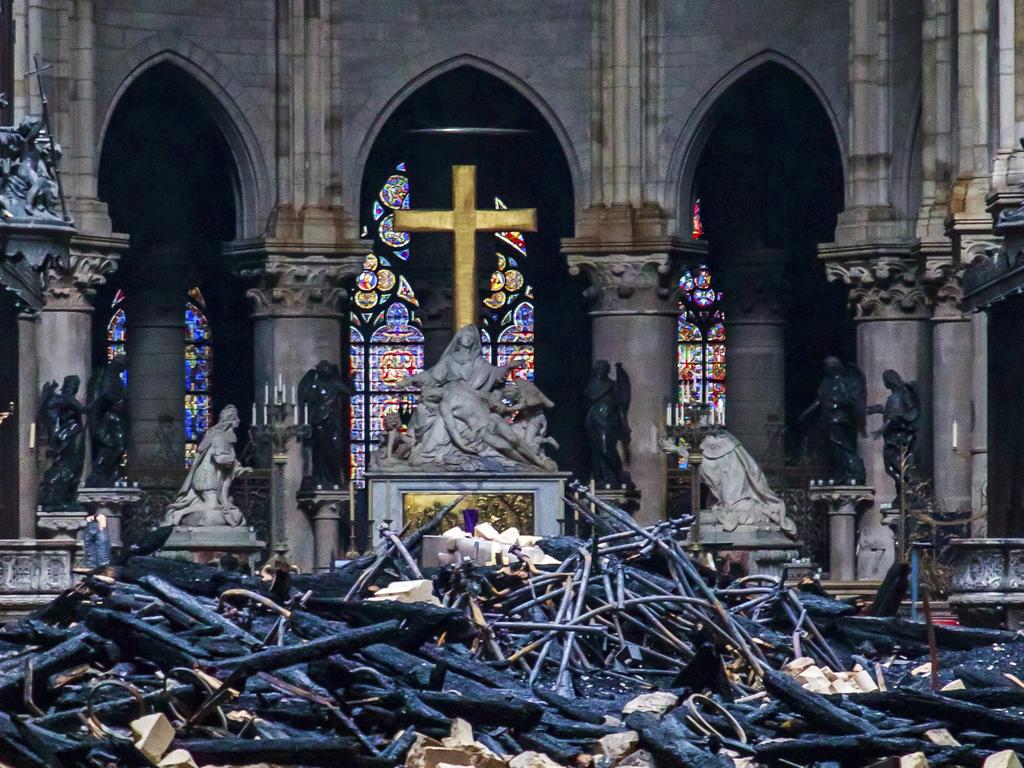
{"x":755,"y":345}
{"x":634,"y":323}
{"x":27,"y":405}
{"x":892,"y":332}
{"x":297,"y":313}
{"x":979,"y":424}
{"x":65,"y":325}
{"x":952,"y":366}
{"x":156,"y":383}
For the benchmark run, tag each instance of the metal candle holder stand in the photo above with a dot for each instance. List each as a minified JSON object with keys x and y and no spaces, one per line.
{"x":689,"y":430}
{"x":276,"y":433}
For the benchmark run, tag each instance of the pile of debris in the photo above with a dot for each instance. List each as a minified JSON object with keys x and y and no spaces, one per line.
{"x":628,"y":653}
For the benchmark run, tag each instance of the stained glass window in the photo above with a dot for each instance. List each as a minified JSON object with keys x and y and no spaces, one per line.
{"x":507,"y":330}
{"x":701,"y":352}
{"x":198,"y":368}
{"x":696,"y":226}
{"x":386,"y":343}
{"x":117,"y":332}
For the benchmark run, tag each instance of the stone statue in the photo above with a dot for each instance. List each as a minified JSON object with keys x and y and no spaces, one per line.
{"x":741,"y":493}
{"x":60,"y":414}
{"x":108,"y":423}
{"x":876,"y":546}
{"x":457,"y":426}
{"x":396,"y":443}
{"x":607,"y":424}
{"x":28,"y":187}
{"x":522,"y":404}
{"x":841,"y":408}
{"x":322,"y":395}
{"x":204,"y":499}
{"x":900,"y":415}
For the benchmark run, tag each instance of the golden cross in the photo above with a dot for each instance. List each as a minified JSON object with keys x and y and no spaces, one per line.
{"x":464,"y":221}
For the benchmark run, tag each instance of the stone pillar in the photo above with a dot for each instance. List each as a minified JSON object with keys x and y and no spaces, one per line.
{"x":952,"y":365}
{"x":755,"y":351}
{"x":27,"y":405}
{"x":297,"y":323}
{"x":634,"y":323}
{"x":156,"y":383}
{"x":65,"y":325}
{"x":842,"y":503}
{"x":893,"y":331}
{"x":979,"y":424}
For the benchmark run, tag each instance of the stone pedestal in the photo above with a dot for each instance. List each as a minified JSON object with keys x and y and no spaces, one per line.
{"x":765,"y":548}
{"x":209,"y":543}
{"x":388,"y":492}
{"x":626,"y":499}
{"x":842,"y":503}
{"x":62,"y":524}
{"x":988,"y":578}
{"x":109,"y":502}
{"x":328,"y":510}
{"x":32,"y":573}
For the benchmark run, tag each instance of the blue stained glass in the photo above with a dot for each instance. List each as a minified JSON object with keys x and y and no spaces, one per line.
{"x":400,"y":167}
{"x":403,"y":254}
{"x":700,"y":361}
{"x":378,"y":210}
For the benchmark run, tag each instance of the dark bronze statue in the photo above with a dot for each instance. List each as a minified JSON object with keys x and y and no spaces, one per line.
{"x":108,"y":423}
{"x":607,"y":424}
{"x":322,"y":395}
{"x":900,"y":415}
{"x":841,"y":408}
{"x":60,"y":415}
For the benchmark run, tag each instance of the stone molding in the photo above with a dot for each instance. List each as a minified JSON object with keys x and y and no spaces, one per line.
{"x":944,"y":283}
{"x":881,"y":287}
{"x":308,"y":286}
{"x":72,"y":287}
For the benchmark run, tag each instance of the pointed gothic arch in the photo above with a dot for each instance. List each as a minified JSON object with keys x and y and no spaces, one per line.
{"x":693,"y":138}
{"x":230,"y":105}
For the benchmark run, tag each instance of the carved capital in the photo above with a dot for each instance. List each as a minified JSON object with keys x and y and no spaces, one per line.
{"x":72,"y":287}
{"x":754,"y":286}
{"x":886,"y":287}
{"x":944,"y":286}
{"x":309,"y":286}
{"x":625,"y":281}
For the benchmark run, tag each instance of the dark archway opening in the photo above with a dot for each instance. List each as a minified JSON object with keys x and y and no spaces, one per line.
{"x":523,"y":164}
{"x":170,"y":182}
{"x":770,"y":176}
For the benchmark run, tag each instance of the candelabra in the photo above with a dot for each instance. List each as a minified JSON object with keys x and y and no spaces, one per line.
{"x":686,"y":424}
{"x":276,"y":433}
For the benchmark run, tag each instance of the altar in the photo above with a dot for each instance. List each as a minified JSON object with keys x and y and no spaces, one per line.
{"x":528,"y":500}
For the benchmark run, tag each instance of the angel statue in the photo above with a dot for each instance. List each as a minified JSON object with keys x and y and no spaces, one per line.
{"x":108,"y":423}
{"x":900,"y":415}
{"x":204,"y":499}
{"x":607,"y":424}
{"x":322,"y":396}
{"x":841,"y":406}
{"x":60,"y":415}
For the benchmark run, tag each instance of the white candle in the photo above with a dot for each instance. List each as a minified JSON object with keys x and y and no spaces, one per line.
{"x":32,"y":436}
{"x":280,"y":383}
{"x":265,"y":414}
{"x":305,"y":414}
{"x":956,"y":434}
{"x":668,"y":414}
{"x":295,"y":412}
{"x":253,"y":413}
{"x":293,"y":396}
{"x":266,"y":393}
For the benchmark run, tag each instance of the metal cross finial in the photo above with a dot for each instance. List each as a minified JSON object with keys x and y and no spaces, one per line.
{"x":54,"y":159}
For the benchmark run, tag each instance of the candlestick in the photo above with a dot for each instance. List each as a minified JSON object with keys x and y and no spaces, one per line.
{"x":295,"y":413}
{"x":265,"y":420}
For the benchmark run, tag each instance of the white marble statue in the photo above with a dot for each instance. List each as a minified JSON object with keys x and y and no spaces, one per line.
{"x":741,"y":493}
{"x":205,"y":497}
{"x":469,"y":419}
{"x":876,"y":546}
